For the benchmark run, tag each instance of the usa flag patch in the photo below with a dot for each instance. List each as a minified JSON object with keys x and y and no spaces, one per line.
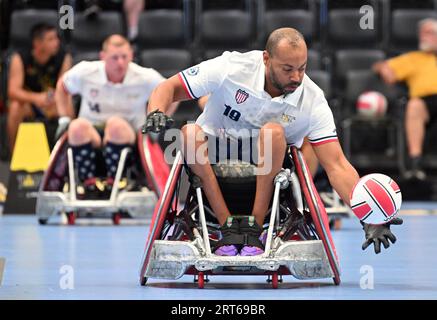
{"x":241,"y":96}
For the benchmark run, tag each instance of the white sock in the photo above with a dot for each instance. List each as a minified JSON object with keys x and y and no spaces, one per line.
{"x":133,"y":32}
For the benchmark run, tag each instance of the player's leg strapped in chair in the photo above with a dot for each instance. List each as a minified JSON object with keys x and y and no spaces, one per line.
{"x":112,"y":154}
{"x":84,"y":160}
{"x":251,"y":232}
{"x":243,"y":234}
{"x":240,"y":233}
{"x":83,"y":139}
{"x":119,"y":134}
{"x":230,"y":237}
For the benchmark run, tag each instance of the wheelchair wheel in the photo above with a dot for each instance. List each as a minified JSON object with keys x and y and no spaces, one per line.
{"x":201,"y":280}
{"x":116,"y":218}
{"x":275,"y":280}
{"x":318,"y":212}
{"x":335,"y":223}
{"x":153,"y":163}
{"x":58,"y":163}
{"x":71,"y":218}
{"x":42,"y":221}
{"x":162,"y":209}
{"x":143,"y":281}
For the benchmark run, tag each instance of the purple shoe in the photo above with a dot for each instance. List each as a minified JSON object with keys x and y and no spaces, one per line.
{"x":229,"y":250}
{"x":229,"y":232}
{"x":251,"y":251}
{"x":252,"y":233}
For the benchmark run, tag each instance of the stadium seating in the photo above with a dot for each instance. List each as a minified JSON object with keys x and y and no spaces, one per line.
{"x":352,"y":59}
{"x":314,"y":61}
{"x":412,"y":4}
{"x":88,"y":34}
{"x":223,"y":25}
{"x":344,"y":30}
{"x":372,"y":143}
{"x":167,"y":61}
{"x":404,"y":28}
{"x":176,"y":34}
{"x":85,"y":55}
{"x":302,"y":20}
{"x":163,"y":28}
{"x":22,"y":22}
{"x":164,"y":40}
{"x":222,"y":30}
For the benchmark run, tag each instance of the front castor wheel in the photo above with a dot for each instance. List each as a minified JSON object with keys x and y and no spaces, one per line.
{"x":275,"y":281}
{"x":42,"y":221}
{"x":275,"y":278}
{"x":71,"y":218}
{"x":116,"y":218}
{"x":143,"y":281}
{"x":335,"y":223}
{"x":201,"y":278}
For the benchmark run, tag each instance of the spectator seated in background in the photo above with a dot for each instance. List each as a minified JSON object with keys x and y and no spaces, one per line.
{"x":419,"y":70}
{"x":32,"y":79}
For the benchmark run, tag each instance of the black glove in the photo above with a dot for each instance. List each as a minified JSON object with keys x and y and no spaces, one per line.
{"x":63,"y":124}
{"x":157,"y":121}
{"x":380,"y":233}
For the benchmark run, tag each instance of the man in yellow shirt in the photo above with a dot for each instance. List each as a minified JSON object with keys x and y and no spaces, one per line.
{"x":419,"y":70}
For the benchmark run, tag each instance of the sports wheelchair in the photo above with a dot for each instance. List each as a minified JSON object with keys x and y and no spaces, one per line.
{"x":58,"y":190}
{"x":181,"y":238}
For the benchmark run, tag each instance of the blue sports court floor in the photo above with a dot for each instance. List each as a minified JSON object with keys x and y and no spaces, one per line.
{"x":102,"y":262}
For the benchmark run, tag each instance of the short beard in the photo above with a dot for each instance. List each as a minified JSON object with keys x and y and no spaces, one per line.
{"x":424,"y":46}
{"x":278,"y":86}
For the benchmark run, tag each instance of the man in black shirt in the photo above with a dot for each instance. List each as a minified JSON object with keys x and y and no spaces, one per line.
{"x":32,"y":78}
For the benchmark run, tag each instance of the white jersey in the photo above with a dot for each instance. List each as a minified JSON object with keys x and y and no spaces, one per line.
{"x":102,"y":99}
{"x":238,"y":100}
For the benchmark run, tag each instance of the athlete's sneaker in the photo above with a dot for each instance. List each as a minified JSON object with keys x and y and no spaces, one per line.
{"x":416,"y":170}
{"x":417,"y":174}
{"x":230,"y":234}
{"x":90,"y":189}
{"x":230,"y":250}
{"x":124,"y":184}
{"x":251,"y":251}
{"x":252,"y":234}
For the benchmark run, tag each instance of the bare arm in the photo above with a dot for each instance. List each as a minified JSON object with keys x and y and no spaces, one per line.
{"x":341,"y":174}
{"x":166,"y":93}
{"x":16,"y":89}
{"x":172,"y":109}
{"x":202,"y":102}
{"x":310,"y":156}
{"x":64,"y":103}
{"x":383,"y":69}
{"x":66,"y":64}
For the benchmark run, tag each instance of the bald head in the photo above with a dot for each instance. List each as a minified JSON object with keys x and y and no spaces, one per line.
{"x":115,"y":40}
{"x":285,"y":59}
{"x":284,"y":37}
